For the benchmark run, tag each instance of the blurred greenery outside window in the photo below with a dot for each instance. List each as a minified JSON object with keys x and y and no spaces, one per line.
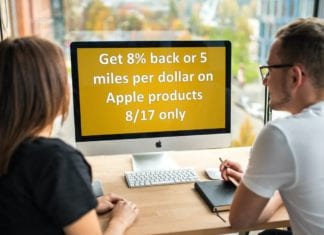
{"x":249,"y":24}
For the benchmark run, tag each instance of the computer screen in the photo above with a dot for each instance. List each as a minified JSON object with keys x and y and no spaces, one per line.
{"x":141,"y":97}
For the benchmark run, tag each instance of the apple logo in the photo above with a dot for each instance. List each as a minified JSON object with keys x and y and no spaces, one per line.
{"x":158,"y":144}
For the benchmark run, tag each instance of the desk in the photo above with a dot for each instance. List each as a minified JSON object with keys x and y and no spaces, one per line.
{"x":174,"y":209}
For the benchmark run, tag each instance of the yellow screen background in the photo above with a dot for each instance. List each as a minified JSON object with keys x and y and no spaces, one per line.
{"x":101,"y":118}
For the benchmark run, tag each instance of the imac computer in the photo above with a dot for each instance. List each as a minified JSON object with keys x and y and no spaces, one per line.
{"x":147,"y":98}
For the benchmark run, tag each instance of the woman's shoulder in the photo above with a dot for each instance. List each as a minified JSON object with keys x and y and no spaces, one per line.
{"x":47,"y":149}
{"x":49,"y":145}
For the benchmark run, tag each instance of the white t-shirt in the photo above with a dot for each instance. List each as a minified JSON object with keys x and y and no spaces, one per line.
{"x":288,"y":156}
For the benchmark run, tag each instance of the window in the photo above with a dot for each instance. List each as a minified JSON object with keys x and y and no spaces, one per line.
{"x":5,"y":29}
{"x":249,"y":24}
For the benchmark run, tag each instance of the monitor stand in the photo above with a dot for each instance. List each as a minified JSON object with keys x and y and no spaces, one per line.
{"x":152,"y":161}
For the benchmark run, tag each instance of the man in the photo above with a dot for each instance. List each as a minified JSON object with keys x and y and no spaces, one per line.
{"x":287,"y":159}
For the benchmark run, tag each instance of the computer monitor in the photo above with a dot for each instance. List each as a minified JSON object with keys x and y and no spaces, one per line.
{"x":148,"y":97}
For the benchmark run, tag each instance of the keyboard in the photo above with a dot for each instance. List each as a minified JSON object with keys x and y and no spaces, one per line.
{"x":147,"y":178}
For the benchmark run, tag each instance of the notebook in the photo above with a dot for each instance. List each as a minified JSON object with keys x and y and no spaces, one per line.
{"x":218,"y":194}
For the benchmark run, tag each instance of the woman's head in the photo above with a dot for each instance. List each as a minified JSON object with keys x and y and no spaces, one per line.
{"x":33,"y":90}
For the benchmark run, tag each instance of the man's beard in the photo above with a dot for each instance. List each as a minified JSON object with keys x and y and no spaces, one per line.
{"x":286,"y":98}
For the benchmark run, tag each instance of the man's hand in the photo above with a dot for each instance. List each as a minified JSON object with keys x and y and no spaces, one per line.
{"x":231,"y":170}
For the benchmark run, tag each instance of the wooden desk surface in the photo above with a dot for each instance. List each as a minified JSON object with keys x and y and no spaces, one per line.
{"x":174,"y":209}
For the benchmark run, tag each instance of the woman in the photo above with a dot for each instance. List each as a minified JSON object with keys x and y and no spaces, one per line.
{"x":45,"y":184}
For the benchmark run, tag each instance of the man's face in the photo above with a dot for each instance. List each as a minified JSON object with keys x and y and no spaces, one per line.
{"x":276,"y":81}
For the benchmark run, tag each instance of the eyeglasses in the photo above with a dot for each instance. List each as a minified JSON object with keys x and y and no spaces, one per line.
{"x":264,"y":69}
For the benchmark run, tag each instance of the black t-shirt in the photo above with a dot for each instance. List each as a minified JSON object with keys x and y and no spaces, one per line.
{"x":47,"y":187}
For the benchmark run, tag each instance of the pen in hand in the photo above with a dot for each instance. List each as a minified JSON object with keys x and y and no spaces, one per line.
{"x":222,"y":161}
{"x":229,"y":177}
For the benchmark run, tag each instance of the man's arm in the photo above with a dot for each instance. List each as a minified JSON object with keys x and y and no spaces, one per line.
{"x":249,"y":209}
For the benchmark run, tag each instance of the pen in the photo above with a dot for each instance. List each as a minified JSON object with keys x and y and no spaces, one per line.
{"x":229,"y":177}
{"x":221,"y":160}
